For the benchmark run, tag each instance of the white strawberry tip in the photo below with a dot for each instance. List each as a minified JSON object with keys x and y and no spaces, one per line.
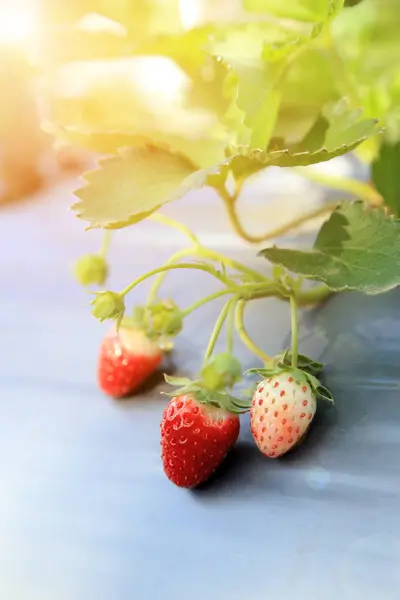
{"x":299,"y":375}
{"x":136,"y":342}
{"x":219,"y":399}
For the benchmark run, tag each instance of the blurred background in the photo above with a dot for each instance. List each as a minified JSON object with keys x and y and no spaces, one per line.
{"x":29,"y":156}
{"x":65,"y":71}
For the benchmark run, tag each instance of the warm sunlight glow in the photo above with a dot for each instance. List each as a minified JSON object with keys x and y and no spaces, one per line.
{"x":17,"y":21}
{"x":96,"y":22}
{"x":190,"y":13}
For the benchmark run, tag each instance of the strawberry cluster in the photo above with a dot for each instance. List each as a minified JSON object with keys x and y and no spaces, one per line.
{"x":201,"y":424}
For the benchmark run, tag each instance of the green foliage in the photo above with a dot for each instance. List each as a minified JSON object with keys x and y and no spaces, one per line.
{"x":130,"y":186}
{"x":386,"y":175}
{"x":343,"y":132}
{"x":314,"y":11}
{"x":367,"y":48}
{"x":358,"y":248}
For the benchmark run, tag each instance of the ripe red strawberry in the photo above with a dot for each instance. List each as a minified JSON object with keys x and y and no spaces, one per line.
{"x":195,"y":439}
{"x":283,"y":407}
{"x":127,"y":358}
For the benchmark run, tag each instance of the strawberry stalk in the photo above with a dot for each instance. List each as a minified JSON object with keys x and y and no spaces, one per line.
{"x":230,"y":328}
{"x":187,"y":311}
{"x":170,"y":267}
{"x":244,"y":336}
{"x":217,"y":328}
{"x":295,"y":341}
{"x":105,"y":244}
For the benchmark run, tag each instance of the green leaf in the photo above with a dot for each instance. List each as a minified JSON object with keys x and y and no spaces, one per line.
{"x":257,"y":54}
{"x":301,"y":10}
{"x":327,"y":139}
{"x":127,"y":103}
{"x":346,"y":125}
{"x":358,"y":248}
{"x":204,"y":152}
{"x":130,"y":186}
{"x":245,"y":161}
{"x":135,"y":21}
{"x":386,"y":175}
{"x":366,"y":41}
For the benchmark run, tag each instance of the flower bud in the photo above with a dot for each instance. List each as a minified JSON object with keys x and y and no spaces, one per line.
{"x":108,"y":305}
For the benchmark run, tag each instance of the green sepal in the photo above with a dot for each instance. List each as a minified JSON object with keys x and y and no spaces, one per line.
{"x":177,"y":381}
{"x":163,"y":319}
{"x":204,"y":395}
{"x":184,"y":385}
{"x":299,"y":375}
{"x":223,"y":400}
{"x":305,"y":363}
{"x":320,"y":390}
{"x":108,"y":305}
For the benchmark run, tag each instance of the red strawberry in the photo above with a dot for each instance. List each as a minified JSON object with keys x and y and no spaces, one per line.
{"x":283,"y":407}
{"x":127,"y":358}
{"x":195,"y":439}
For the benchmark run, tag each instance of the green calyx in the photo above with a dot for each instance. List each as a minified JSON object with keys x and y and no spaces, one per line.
{"x":304,"y":373}
{"x":160,"y":321}
{"x":108,"y":305}
{"x":219,"y":399}
{"x":164,"y":319}
{"x":91,"y":269}
{"x":304,"y":363}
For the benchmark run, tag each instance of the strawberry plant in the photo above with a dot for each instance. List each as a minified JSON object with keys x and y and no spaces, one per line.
{"x":277,"y":84}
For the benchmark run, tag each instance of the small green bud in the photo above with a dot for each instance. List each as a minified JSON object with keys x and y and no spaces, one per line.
{"x":91,"y":269}
{"x":221,"y":371}
{"x":108,"y":305}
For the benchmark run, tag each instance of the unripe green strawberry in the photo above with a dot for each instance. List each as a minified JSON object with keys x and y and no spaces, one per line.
{"x":221,"y":371}
{"x":283,"y":407}
{"x":91,"y":269}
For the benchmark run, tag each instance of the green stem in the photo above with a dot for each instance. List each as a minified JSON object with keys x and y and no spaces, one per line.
{"x":158,"y":281}
{"x":159,"y":218}
{"x":361,"y":190}
{"x":217,"y":329}
{"x":195,"y":266}
{"x":205,"y":300}
{"x":105,"y":245}
{"x":230,"y":202}
{"x":234,"y":264}
{"x":202,"y":252}
{"x":246,"y":339}
{"x":314,"y":295}
{"x":295,"y":340}
{"x":230,"y":328}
